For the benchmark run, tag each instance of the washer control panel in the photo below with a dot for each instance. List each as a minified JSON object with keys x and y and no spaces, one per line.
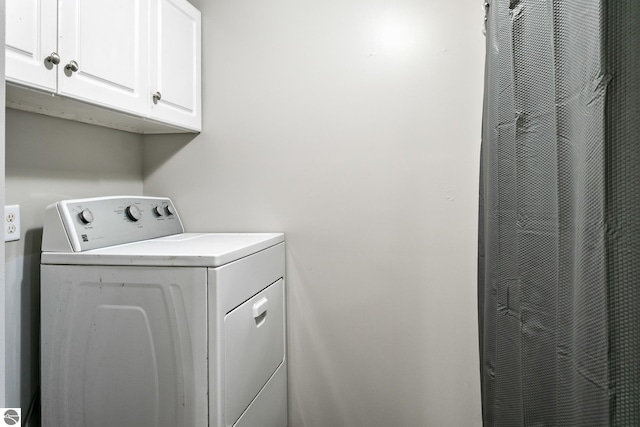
{"x":84,"y":224}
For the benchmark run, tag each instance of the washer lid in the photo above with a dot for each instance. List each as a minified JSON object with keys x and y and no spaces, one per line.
{"x":182,"y":250}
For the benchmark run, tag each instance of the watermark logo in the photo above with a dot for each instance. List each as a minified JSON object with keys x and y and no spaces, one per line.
{"x":11,"y":417}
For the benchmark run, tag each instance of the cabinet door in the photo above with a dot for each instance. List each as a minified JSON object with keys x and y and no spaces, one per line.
{"x":31,"y":33}
{"x":175,"y":63}
{"x":108,"y":40}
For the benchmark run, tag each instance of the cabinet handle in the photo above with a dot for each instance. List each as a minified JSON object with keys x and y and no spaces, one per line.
{"x":157,"y":97}
{"x":72,"y":66}
{"x":54,"y":58}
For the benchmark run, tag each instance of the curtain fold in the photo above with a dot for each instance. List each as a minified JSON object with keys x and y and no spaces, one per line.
{"x":559,"y":224}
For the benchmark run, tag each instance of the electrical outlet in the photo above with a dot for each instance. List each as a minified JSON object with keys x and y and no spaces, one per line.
{"x":11,"y":223}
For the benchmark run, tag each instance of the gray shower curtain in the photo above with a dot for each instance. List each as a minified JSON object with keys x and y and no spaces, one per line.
{"x":559,"y":229}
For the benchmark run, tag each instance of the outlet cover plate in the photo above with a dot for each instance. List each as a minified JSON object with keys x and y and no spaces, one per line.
{"x":11,"y":223}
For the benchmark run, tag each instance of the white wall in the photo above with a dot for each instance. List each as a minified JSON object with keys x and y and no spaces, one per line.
{"x":49,"y":159}
{"x":2,"y":279}
{"x":354,"y":127}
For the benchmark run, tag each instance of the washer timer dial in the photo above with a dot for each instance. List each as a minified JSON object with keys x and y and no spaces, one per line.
{"x":133,"y":213}
{"x":86,"y":216}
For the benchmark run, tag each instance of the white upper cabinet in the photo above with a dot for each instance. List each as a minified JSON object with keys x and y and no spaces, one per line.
{"x":106,"y":43}
{"x":126,"y":64}
{"x":175,"y":59}
{"x":31,"y":32}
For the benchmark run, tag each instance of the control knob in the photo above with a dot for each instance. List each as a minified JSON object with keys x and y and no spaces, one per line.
{"x":158,"y":211}
{"x":170,"y":210}
{"x":86,"y":216}
{"x":133,"y":213}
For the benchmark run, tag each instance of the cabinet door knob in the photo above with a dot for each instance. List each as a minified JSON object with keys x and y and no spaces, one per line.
{"x":54,"y":58}
{"x":72,"y":66}
{"x":157,"y":97}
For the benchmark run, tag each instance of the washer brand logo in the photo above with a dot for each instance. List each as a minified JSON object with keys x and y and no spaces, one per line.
{"x":85,"y":238}
{"x":11,"y":416}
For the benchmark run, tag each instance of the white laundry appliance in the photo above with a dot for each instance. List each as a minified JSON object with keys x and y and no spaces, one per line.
{"x":145,"y":325}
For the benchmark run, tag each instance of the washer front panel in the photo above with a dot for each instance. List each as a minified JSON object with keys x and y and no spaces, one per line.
{"x":124,"y":346}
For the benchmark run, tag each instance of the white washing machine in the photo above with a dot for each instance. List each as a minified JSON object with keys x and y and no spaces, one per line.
{"x":145,"y":325}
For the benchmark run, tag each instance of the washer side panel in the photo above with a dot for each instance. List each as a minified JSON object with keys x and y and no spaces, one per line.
{"x":229,"y":286}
